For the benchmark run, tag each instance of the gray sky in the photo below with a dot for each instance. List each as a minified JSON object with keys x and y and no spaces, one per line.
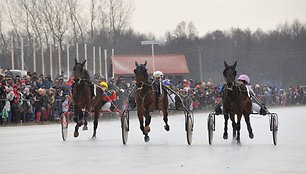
{"x":159,"y":16}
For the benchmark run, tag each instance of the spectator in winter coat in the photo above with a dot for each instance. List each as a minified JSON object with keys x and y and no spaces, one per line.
{"x":41,"y":103}
{"x":7,"y":107}
{"x":27,"y":105}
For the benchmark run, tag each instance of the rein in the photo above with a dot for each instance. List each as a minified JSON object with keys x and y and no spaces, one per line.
{"x":239,"y":93}
{"x":79,"y":80}
{"x":147,"y":83}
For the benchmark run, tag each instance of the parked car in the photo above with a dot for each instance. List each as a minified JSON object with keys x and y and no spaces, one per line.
{"x":20,"y":73}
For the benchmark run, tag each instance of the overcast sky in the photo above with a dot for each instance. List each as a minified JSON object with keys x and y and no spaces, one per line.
{"x":159,"y":16}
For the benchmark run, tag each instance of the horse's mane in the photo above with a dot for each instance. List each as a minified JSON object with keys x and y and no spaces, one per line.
{"x":86,"y":75}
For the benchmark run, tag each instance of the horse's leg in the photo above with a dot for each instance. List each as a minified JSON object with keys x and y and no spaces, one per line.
{"x":140,"y":119}
{"x":238,"y":126}
{"x":232,"y":117}
{"x":96,"y":117}
{"x":140,"y":114}
{"x":85,"y":127}
{"x":147,"y":128}
{"x":165,"y":113}
{"x":78,"y":116}
{"x":248,"y":123}
{"x":147,"y":121}
{"x":225,"y":134}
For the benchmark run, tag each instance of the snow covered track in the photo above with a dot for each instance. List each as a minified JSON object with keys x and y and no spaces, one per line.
{"x":40,"y":149}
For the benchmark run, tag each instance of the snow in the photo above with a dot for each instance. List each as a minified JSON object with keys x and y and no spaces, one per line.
{"x":40,"y":149}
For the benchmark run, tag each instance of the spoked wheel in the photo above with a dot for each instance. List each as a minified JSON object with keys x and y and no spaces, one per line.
{"x":211,"y":127}
{"x":125,"y":126}
{"x":64,"y":125}
{"x":189,"y":127}
{"x":274,"y":127}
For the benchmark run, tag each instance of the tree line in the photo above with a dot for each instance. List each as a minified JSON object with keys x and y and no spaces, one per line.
{"x":275,"y":57}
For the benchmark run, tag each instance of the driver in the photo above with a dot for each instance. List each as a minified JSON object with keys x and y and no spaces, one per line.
{"x":107,"y":98}
{"x":244,"y":79}
{"x":157,"y":77}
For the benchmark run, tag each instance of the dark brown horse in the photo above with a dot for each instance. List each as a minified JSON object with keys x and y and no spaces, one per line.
{"x":235,"y":102}
{"x":85,"y":97}
{"x":146,"y":100}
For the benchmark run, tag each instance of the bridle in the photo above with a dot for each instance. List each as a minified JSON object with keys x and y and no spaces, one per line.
{"x":143,"y":82}
{"x":144,"y":75}
{"x":230,"y":80}
{"x":79,"y":80}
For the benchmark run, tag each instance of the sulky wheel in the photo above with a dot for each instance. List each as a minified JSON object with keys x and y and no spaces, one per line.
{"x":210,"y":127}
{"x":64,"y":120}
{"x":125,"y":127}
{"x":274,"y":127}
{"x":189,"y":128}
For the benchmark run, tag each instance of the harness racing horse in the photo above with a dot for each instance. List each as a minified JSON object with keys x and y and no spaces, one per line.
{"x":84,"y":97}
{"x":235,"y":101}
{"x":146,"y":100}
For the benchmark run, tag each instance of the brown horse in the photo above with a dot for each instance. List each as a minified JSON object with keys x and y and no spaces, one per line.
{"x":146,"y":100}
{"x":235,"y":101}
{"x":84,"y":97}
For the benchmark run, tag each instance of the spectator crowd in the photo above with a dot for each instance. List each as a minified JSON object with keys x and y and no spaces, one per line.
{"x":33,"y":98}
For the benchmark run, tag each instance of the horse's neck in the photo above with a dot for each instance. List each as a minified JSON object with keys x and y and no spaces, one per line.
{"x":86,"y":75}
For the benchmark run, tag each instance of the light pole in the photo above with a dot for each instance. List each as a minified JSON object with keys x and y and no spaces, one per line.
{"x":151,"y":42}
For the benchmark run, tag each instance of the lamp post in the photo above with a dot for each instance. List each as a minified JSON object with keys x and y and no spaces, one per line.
{"x":152,"y":43}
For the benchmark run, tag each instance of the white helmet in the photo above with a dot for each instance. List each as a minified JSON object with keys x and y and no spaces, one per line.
{"x":157,"y":74}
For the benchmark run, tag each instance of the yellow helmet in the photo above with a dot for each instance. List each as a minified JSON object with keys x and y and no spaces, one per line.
{"x":104,"y":84}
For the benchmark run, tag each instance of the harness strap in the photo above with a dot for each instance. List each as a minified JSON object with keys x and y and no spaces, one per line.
{"x":248,"y":91}
{"x":95,"y":89}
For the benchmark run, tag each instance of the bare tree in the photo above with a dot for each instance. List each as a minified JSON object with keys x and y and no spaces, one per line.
{"x":1,"y":29}
{"x":56,"y":17}
{"x":119,"y":12}
{"x":102,"y":22}
{"x":92,"y":18}
{"x":10,"y":5}
{"x":192,"y":31}
{"x":76,"y":26}
{"x":181,"y":30}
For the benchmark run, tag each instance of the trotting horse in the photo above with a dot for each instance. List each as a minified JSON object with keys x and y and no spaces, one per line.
{"x":84,"y":97}
{"x":235,"y":101}
{"x":146,"y":100}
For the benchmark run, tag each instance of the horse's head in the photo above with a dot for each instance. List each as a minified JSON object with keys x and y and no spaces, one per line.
{"x":78,"y":70}
{"x":230,"y":73}
{"x":141,"y":73}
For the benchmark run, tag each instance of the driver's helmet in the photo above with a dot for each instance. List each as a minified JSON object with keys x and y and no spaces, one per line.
{"x":167,"y":82}
{"x":158,"y":74}
{"x":245,"y":78}
{"x":104,"y":84}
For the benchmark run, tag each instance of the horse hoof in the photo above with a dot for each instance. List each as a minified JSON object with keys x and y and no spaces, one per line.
{"x":234,"y":136}
{"x":93,"y":137}
{"x":76,"y":134}
{"x":85,"y":127}
{"x":251,"y":135}
{"x":238,"y":141}
{"x":146,"y":138}
{"x":147,"y":129}
{"x":167,"y":127}
{"x":225,"y":136}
